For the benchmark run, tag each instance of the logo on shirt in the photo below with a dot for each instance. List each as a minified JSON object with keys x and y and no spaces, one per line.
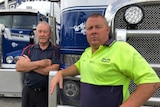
{"x":106,"y":60}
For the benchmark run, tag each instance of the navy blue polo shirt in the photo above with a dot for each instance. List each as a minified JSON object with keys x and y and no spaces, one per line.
{"x":33,"y":79}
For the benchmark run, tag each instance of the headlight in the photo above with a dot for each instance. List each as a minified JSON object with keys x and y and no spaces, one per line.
{"x":133,"y":15}
{"x":71,"y":89}
{"x":15,"y":59}
{"x":9,"y":59}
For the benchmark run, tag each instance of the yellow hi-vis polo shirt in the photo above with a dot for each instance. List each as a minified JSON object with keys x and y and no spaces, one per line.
{"x":115,"y":65}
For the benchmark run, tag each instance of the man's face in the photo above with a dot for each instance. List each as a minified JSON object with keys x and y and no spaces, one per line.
{"x":43,"y":33}
{"x":97,"y":31}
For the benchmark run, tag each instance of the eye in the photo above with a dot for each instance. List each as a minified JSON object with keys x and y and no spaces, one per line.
{"x":39,"y":31}
{"x":98,"y":27}
{"x":45,"y":31}
{"x":89,"y":28}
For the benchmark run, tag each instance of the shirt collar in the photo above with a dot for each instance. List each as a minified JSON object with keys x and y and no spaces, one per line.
{"x":49,"y":46}
{"x":110,"y":42}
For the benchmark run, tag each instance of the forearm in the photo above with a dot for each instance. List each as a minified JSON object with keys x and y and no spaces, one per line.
{"x":46,"y":70}
{"x":70,"y":71}
{"x":58,"y":78}
{"x":27,"y":66}
{"x":141,"y":95}
{"x":24,"y":64}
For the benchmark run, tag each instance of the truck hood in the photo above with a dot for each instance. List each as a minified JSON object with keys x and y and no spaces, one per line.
{"x":114,"y":6}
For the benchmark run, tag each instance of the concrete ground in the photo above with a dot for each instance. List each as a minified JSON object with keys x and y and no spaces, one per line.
{"x":10,"y":102}
{"x":16,"y":102}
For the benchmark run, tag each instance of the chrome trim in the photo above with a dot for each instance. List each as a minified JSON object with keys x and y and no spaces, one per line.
{"x":7,"y":70}
{"x":153,"y":101}
{"x":8,"y":66}
{"x":140,"y":33}
{"x":155,"y":65}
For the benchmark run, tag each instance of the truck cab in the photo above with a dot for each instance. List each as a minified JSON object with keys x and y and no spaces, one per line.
{"x":17,"y":33}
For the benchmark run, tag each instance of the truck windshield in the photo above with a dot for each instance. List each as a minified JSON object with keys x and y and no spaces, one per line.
{"x":19,"y":21}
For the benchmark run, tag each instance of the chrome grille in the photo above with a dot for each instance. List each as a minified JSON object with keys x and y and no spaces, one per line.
{"x":149,"y":47}
{"x":151,"y":20}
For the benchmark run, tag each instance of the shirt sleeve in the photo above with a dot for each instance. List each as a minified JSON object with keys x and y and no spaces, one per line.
{"x":26,"y":50}
{"x":139,"y":69}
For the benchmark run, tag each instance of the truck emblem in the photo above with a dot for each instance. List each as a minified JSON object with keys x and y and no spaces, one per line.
{"x":80,"y":28}
{"x":20,"y":31}
{"x":14,"y":44}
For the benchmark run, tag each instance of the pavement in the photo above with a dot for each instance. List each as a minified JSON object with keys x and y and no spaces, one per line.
{"x":16,"y":102}
{"x":10,"y":102}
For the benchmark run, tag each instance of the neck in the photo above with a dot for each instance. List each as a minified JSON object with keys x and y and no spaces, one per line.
{"x":94,"y":49}
{"x":43,"y":46}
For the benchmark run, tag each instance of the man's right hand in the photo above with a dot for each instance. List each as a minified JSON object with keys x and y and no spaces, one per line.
{"x":58,"y":78}
{"x":45,"y":62}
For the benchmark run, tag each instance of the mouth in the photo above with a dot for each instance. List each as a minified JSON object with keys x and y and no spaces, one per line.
{"x":93,"y":38}
{"x":42,"y":38}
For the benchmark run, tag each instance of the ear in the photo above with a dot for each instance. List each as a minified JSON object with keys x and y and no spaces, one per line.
{"x":51,"y":34}
{"x":108,"y":30}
